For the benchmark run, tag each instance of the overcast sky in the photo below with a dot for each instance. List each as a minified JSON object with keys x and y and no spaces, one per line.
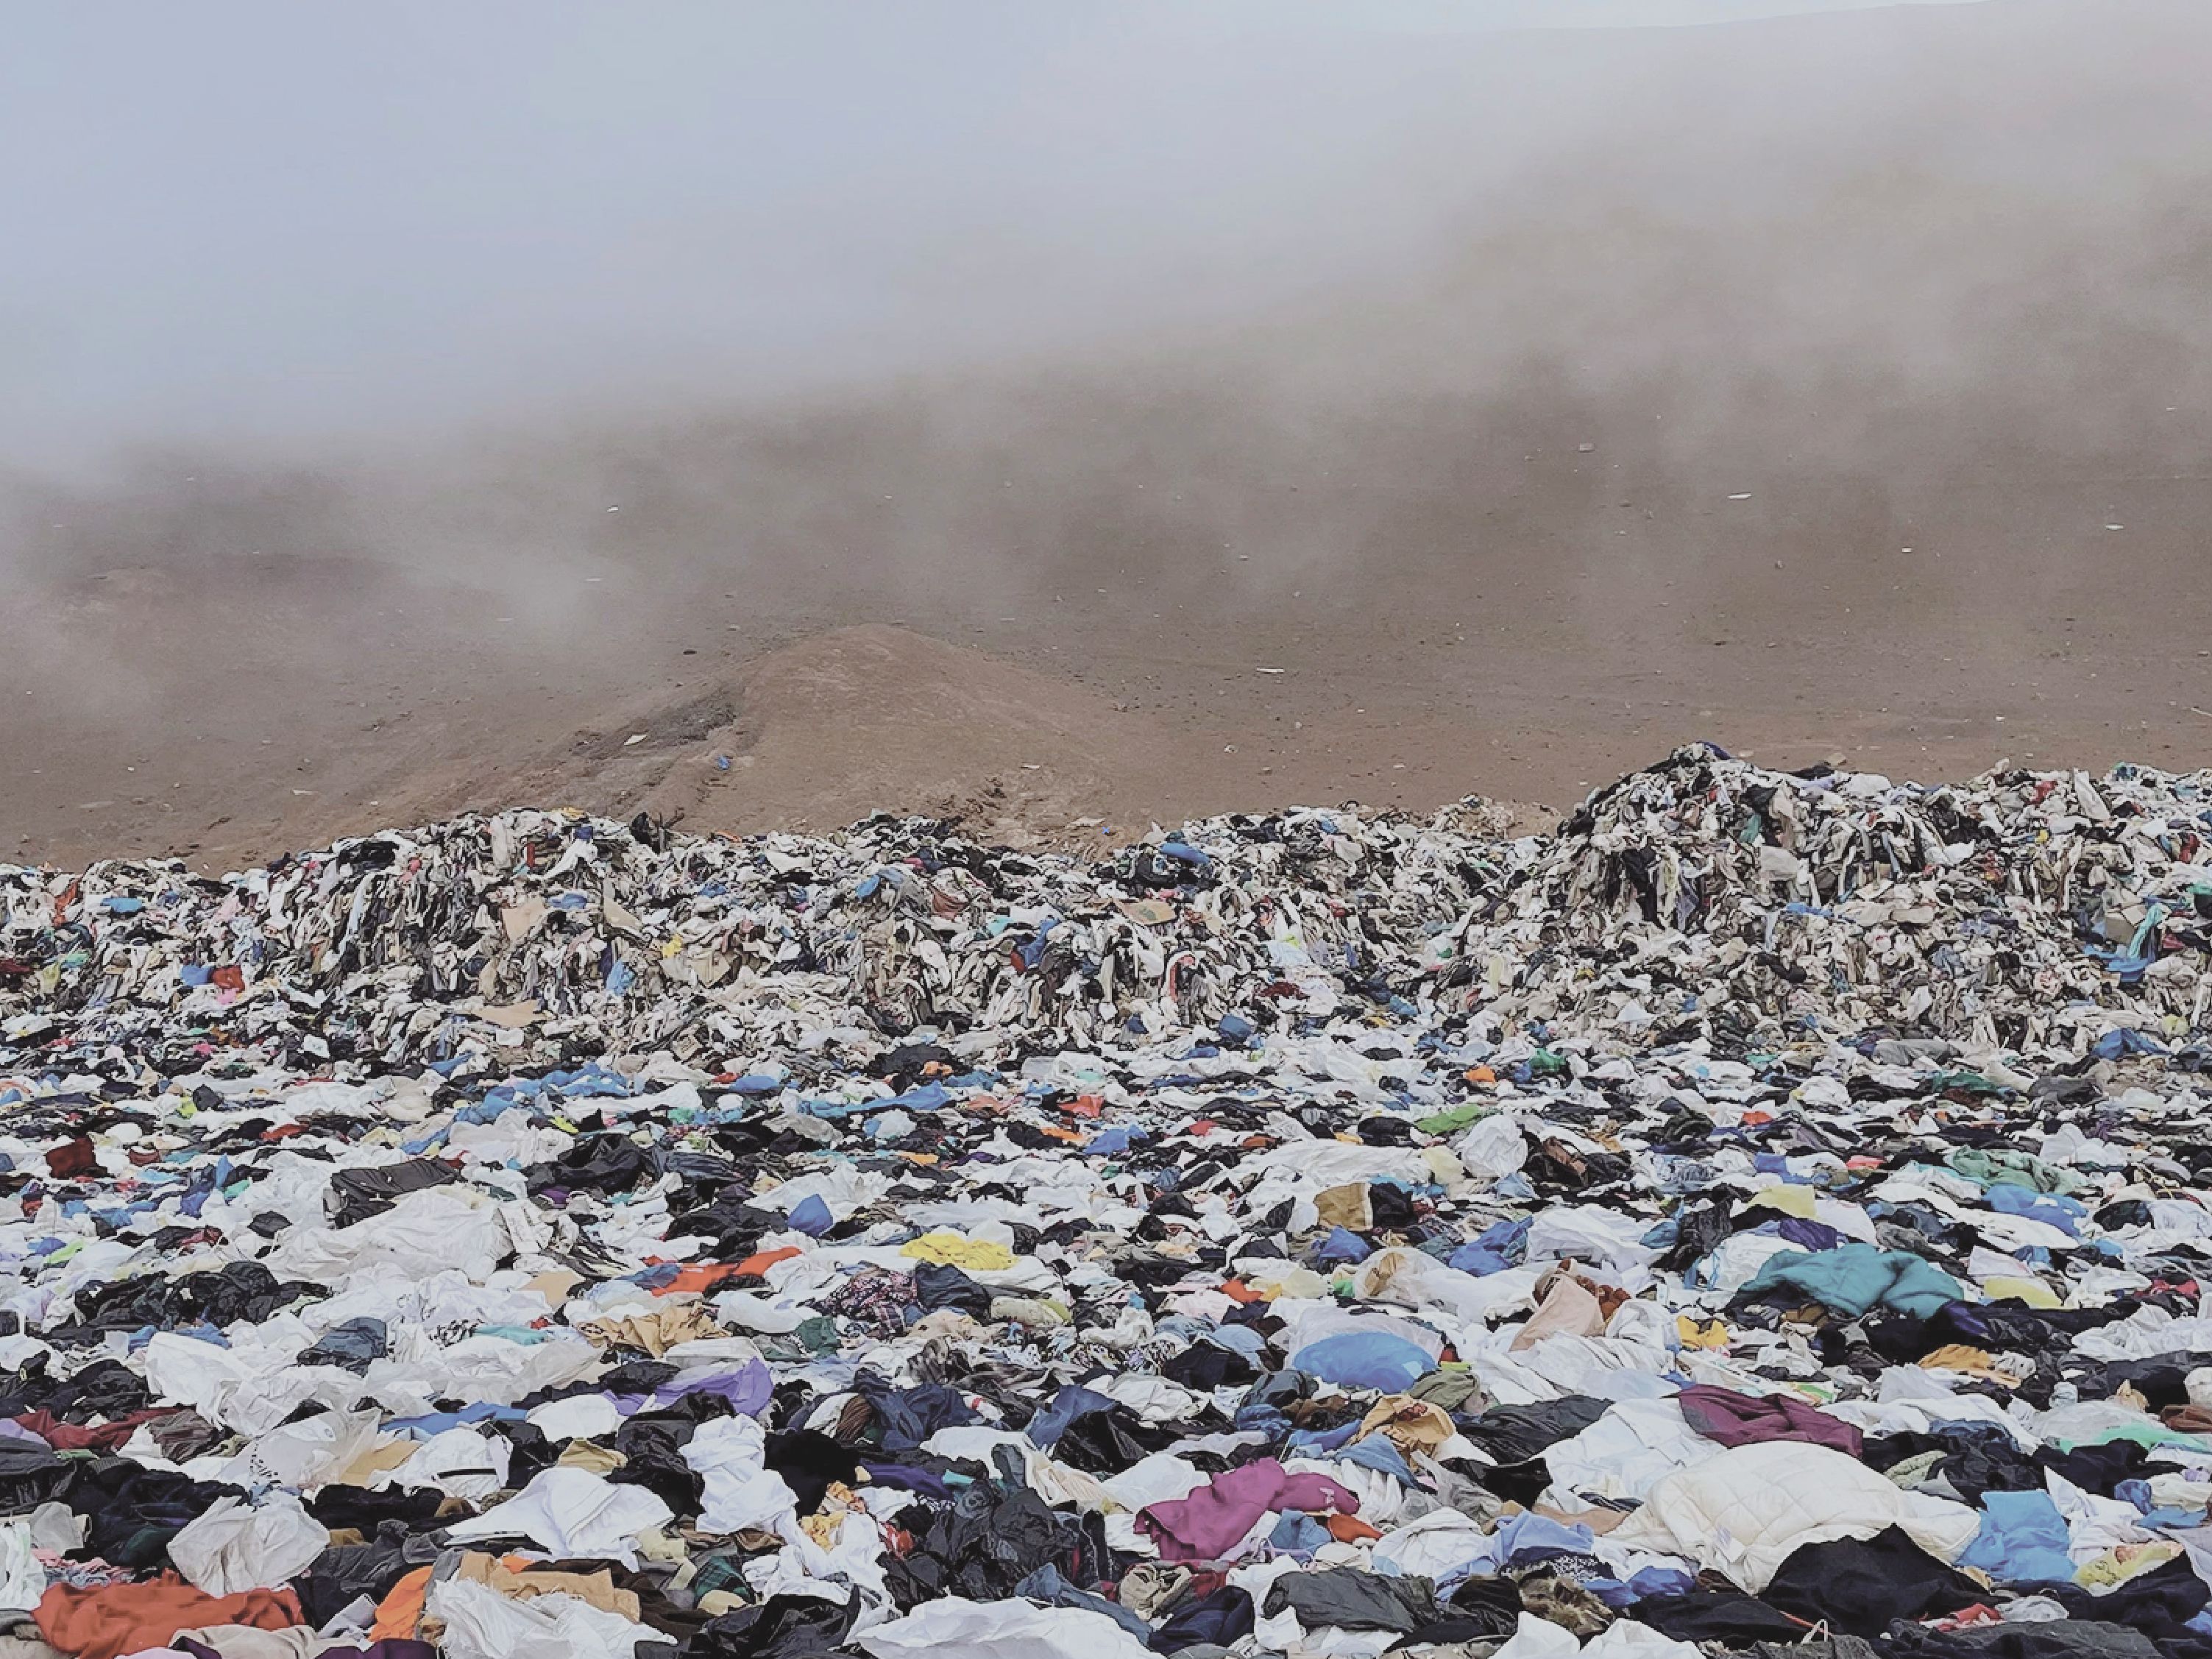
{"x":271,"y":220}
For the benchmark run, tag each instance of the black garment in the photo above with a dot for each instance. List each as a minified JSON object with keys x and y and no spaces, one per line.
{"x":1105,"y":1443}
{"x":1700,"y":1615}
{"x":651,"y":1444}
{"x":358,"y":1194}
{"x":987,"y":1541}
{"x":2062,"y":1638}
{"x":631,"y":1376}
{"x":940,"y":1285}
{"x":130,"y":1513}
{"x":809,"y":1461}
{"x":353,"y":1345}
{"x":2162,"y":1382}
{"x":904,"y":1417}
{"x":1218,"y":1619}
{"x":1490,"y":1600}
{"x":1205,"y":1366}
{"x":1392,"y":1206}
{"x":531,"y":1450}
{"x":31,"y":1472}
{"x":241,"y":1289}
{"x":1978,"y":1458}
{"x":1699,"y":1232}
{"x":903,"y":1066}
{"x":1858,"y":1587}
{"x":2157,"y":1603}
{"x":781,"y":1627}
{"x":1354,"y":1600}
{"x":345,"y":1572}
{"x":367,"y":1511}
{"x":1514,"y":1434}
{"x":605,"y":1164}
{"x":2097,"y":1468}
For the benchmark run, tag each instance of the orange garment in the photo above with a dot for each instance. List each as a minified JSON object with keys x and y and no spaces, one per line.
{"x":756,"y":1265}
{"x":706,"y":1275}
{"x":1349,"y":1528}
{"x":107,"y":1620}
{"x":400,"y":1612}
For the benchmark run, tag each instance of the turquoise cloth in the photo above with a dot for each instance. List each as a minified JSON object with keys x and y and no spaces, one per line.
{"x":1855,"y":1279}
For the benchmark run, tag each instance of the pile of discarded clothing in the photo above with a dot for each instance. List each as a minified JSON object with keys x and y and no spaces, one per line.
{"x":1767,"y":1213}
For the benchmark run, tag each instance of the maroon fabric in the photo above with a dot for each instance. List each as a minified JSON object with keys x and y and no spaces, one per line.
{"x":1207,"y":1524}
{"x":72,"y":1158}
{"x":1742,"y":1420}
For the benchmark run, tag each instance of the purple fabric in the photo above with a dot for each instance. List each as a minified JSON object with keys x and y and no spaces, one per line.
{"x":748,"y":1389}
{"x":1740,"y":1419}
{"x":1813,"y":1235}
{"x":1209,"y":1522}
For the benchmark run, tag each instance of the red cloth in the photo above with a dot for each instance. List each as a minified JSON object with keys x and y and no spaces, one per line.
{"x":113,"y":1619}
{"x":78,"y":1437}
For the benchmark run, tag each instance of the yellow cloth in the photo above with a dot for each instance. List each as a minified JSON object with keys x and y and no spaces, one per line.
{"x":2033,"y":1291}
{"x":1711,"y":1334}
{"x":1970,"y":1362}
{"x":1784,"y":1199}
{"x":2116,"y":1566}
{"x":975,"y":1255}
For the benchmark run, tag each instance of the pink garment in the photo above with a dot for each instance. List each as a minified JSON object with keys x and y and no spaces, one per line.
{"x":1207,"y":1525}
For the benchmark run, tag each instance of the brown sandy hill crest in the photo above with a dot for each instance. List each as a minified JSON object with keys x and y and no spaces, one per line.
{"x":877,"y":717}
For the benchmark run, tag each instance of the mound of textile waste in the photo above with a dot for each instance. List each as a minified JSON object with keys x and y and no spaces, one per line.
{"x":1766,"y":1212}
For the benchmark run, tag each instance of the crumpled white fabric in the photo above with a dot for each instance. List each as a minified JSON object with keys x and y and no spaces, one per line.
{"x":1415,"y":1279}
{"x":460,"y":1462}
{"x":854,"y":1555}
{"x":2148,"y":1330}
{"x":1157,"y":1478}
{"x":1626,"y":1452}
{"x":2093,"y":1524}
{"x":572,"y":1512}
{"x":1589,"y":1233}
{"x":229,"y":1546}
{"x":741,"y":1492}
{"x":490,"y":1370}
{"x":577,"y":1417}
{"x":251,"y":1386}
{"x":1492,"y":1148}
{"x":1539,"y":1638}
{"x":1443,"y":1545}
{"x":22,"y":1580}
{"x":305,"y":1456}
{"x":1743,"y":1512}
{"x":481,"y":1624}
{"x":424,"y":1232}
{"x":1625,"y":1639}
{"x":957,"y":1628}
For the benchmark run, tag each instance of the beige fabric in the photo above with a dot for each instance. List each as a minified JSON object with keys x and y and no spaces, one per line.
{"x":1566,"y":1309}
{"x":1347,"y":1207}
